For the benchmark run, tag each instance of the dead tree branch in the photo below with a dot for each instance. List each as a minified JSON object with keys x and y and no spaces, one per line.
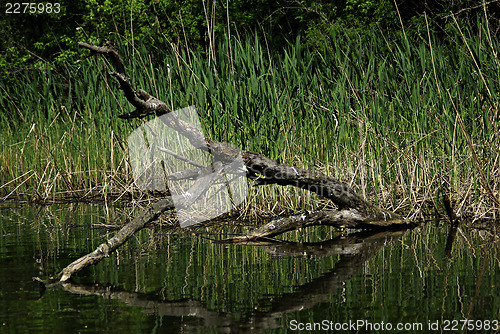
{"x":259,"y":168}
{"x":138,"y":223}
{"x":354,"y":211}
{"x":120,"y":238}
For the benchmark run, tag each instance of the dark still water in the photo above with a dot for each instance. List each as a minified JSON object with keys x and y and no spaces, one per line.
{"x":166,"y":282}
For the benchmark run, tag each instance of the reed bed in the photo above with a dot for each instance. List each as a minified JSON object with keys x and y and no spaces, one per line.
{"x":400,"y":119}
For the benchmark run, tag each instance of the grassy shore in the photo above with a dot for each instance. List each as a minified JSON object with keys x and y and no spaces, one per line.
{"x":402,"y":120}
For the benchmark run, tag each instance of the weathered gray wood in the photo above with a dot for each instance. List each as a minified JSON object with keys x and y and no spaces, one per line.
{"x":147,"y":216}
{"x":343,"y":219}
{"x":106,"y":248}
{"x":354,"y":211}
{"x":259,"y":168}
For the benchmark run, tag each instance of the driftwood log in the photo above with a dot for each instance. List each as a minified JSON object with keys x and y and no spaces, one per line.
{"x":353,"y":210}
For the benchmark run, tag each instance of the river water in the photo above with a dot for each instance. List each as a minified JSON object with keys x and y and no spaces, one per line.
{"x":166,"y":281}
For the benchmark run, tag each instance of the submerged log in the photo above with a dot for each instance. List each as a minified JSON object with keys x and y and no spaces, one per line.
{"x":353,"y":252}
{"x":343,"y":219}
{"x":119,"y":239}
{"x":353,"y":210}
{"x":138,"y":223}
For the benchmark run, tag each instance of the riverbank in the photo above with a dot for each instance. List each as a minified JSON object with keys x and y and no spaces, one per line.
{"x":402,"y":121}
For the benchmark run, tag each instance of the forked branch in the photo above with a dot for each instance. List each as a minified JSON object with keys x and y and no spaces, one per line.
{"x":354,"y":211}
{"x":259,"y":168}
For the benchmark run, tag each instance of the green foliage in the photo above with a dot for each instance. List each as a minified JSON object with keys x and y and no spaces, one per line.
{"x":30,"y":39}
{"x":383,"y":114}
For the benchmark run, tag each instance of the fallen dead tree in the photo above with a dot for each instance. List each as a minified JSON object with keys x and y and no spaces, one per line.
{"x":353,"y":251}
{"x":353,"y":210}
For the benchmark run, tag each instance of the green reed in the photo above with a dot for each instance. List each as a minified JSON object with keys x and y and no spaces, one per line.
{"x":401,"y":120}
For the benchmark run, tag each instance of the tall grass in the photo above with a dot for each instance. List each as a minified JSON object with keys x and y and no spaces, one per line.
{"x":401,"y":120}
{"x":59,"y":137}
